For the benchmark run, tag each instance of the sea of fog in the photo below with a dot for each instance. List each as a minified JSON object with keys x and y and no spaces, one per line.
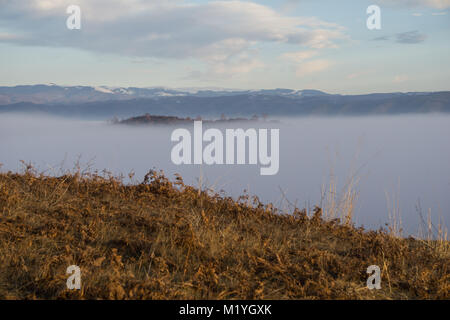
{"x":396,"y":158}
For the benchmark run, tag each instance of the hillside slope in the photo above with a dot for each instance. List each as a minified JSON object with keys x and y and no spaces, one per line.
{"x":164,"y":240}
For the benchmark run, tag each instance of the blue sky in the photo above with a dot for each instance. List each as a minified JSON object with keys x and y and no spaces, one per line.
{"x":298,"y":44}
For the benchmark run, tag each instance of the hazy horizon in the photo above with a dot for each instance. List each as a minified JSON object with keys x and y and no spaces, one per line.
{"x":194,"y":89}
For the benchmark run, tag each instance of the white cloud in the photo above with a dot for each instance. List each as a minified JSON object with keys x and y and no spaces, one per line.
{"x":241,"y":66}
{"x":298,"y":56}
{"x":7,"y":36}
{"x":312,"y":66}
{"x":410,"y":37}
{"x":303,"y":64}
{"x":236,"y":66}
{"x":216,"y":33}
{"x":400,"y":78}
{"x":165,"y":28}
{"x":353,"y":76}
{"x":437,"y":4}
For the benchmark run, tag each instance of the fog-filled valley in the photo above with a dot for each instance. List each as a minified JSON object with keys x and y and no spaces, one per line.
{"x":391,"y":159}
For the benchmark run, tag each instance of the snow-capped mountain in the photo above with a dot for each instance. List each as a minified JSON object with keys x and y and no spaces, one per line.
{"x":51,"y":94}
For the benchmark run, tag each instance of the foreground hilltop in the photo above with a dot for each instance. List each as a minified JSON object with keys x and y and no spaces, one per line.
{"x":164,"y":240}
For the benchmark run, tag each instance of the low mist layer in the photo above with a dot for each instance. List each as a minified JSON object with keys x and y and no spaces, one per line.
{"x":396,"y":165}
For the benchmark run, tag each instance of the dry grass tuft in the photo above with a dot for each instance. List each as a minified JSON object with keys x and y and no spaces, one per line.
{"x":165,"y":240}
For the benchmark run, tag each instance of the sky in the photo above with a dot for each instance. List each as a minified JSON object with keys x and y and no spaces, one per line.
{"x":296,"y":44}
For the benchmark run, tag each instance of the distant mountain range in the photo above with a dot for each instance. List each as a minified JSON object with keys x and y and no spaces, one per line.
{"x":53,"y":94}
{"x":106,"y":102}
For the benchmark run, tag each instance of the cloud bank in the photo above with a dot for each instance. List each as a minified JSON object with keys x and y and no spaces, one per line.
{"x":221,"y":34}
{"x":436,"y":4}
{"x":410,"y":37}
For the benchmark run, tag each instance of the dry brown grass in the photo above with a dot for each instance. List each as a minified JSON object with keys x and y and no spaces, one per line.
{"x":165,"y":240}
